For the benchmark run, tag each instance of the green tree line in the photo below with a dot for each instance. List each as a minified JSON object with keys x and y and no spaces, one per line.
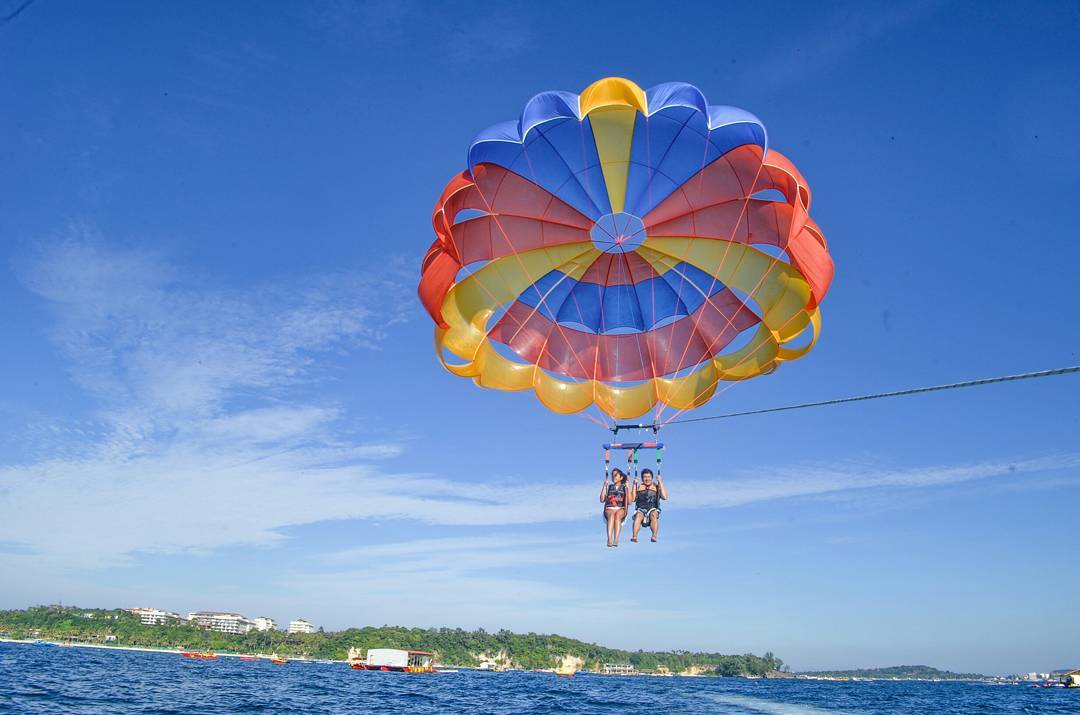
{"x":919,"y":672}
{"x":453,"y":646}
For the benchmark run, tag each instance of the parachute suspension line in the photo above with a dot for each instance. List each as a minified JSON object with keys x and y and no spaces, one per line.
{"x":658,"y":409}
{"x":594,"y":420}
{"x":558,"y":326}
{"x":881,"y":395}
{"x":637,"y":340}
{"x":607,"y":463}
{"x":603,"y":317}
{"x":475,"y":275}
{"x":521,"y":263}
{"x":652,"y":287}
{"x":723,"y":258}
{"x":682,"y":275}
{"x":761,"y":344}
{"x":716,"y":275}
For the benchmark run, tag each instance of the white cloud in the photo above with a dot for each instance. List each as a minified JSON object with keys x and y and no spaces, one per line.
{"x":140,"y":335}
{"x":166,"y":359}
{"x":202,"y":493}
{"x":781,"y":482}
{"x":476,"y":581}
{"x":173,"y":467}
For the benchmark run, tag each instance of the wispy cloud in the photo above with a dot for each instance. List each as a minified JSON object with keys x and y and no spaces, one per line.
{"x":168,"y":357}
{"x":157,"y":348}
{"x":203,"y":439}
{"x":788,"y":481}
{"x":477,"y":579}
{"x":459,"y":555}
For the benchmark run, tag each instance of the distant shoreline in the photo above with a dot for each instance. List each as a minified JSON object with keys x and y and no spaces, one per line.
{"x":792,"y":676}
{"x":120,"y":629}
{"x":117,"y":628}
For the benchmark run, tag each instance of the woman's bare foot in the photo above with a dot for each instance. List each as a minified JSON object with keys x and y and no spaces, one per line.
{"x":634,"y":539}
{"x":653,"y":539}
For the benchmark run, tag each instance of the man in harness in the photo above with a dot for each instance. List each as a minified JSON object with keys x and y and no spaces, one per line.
{"x":647,"y":498}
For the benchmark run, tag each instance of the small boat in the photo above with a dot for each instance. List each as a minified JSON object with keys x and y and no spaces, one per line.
{"x":202,"y":655}
{"x":278,"y":660}
{"x":392,"y":660}
{"x":249,"y":657}
{"x":565,"y":672}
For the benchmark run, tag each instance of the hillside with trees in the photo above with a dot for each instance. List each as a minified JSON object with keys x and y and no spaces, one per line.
{"x":899,"y":672}
{"x":453,"y":646}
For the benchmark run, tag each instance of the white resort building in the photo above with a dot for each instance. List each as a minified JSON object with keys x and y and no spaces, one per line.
{"x":300,"y":626}
{"x":221,"y":622}
{"x":262,"y":623}
{"x":153,"y":616}
{"x":617,"y":669}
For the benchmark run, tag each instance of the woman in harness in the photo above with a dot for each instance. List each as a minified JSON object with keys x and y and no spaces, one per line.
{"x":615,"y":496}
{"x":647,"y":498}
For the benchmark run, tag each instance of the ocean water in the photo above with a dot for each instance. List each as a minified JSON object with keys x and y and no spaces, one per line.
{"x":49,"y":679}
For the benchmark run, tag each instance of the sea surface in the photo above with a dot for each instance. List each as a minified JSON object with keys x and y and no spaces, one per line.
{"x":51,"y":679}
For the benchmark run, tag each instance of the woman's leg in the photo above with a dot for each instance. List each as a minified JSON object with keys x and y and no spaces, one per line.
{"x":638,"y":518}
{"x":654,"y":524}
{"x":620,"y":516}
{"x":609,"y":514}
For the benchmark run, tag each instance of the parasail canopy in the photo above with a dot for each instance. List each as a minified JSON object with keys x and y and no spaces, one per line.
{"x":626,"y":248}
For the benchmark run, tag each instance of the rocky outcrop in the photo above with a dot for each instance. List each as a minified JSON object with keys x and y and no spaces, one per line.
{"x":492,"y":661}
{"x":571,"y":662}
{"x":779,"y":674}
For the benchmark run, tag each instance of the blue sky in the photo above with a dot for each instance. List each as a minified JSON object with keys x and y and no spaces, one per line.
{"x":217,"y":389}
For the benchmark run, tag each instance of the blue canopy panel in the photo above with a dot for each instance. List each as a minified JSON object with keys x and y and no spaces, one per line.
{"x":630,"y":306}
{"x":675,"y":143}
{"x":560,"y":157}
{"x":551,"y":146}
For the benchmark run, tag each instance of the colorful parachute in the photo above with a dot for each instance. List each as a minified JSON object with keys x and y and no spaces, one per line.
{"x":626,"y":248}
